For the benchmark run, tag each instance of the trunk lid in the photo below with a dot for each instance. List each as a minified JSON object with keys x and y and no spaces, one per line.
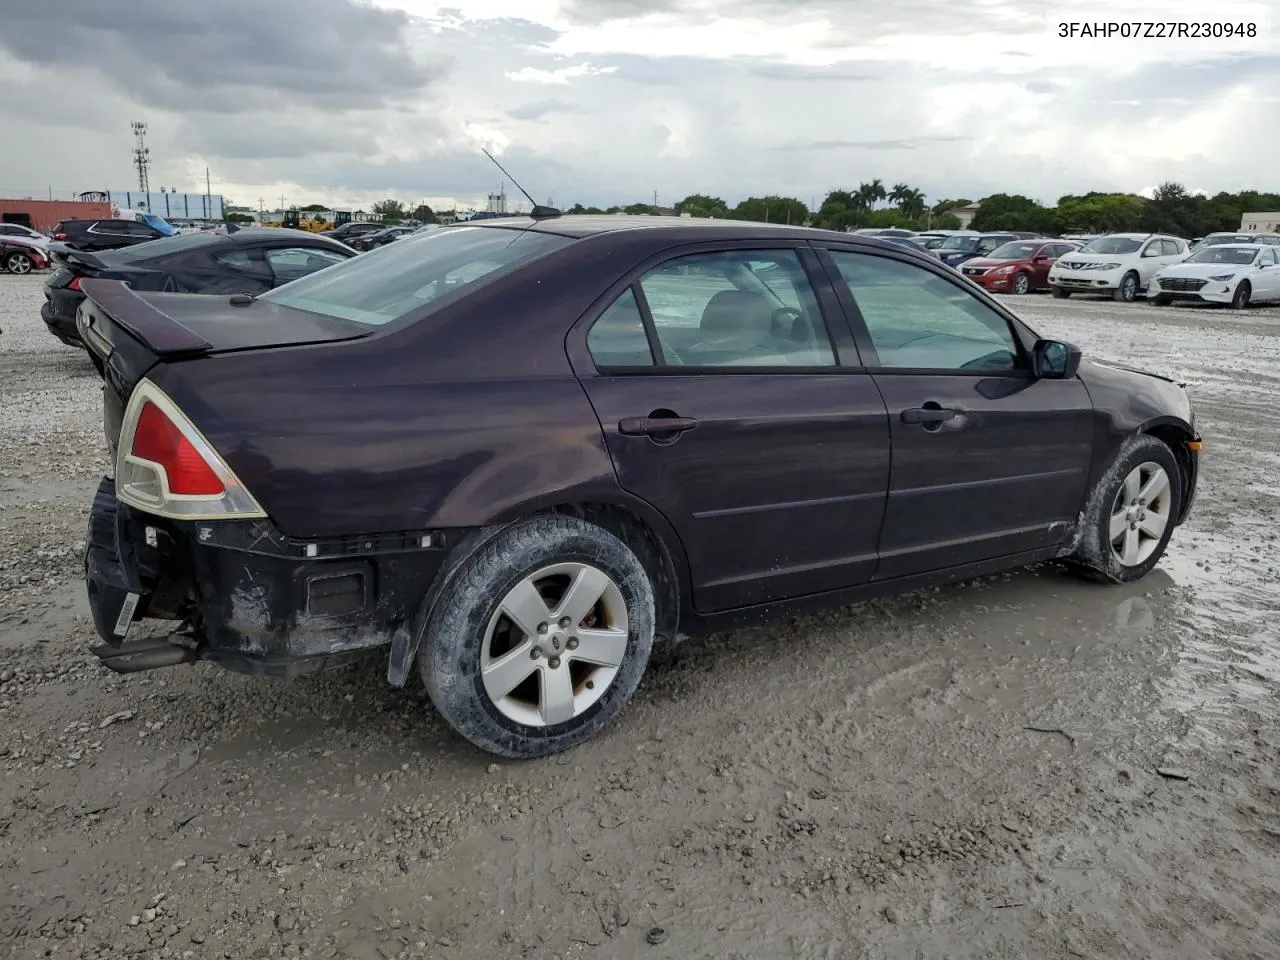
{"x":129,"y":333}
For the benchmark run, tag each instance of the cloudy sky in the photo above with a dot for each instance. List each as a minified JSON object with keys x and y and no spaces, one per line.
{"x":608,"y":101}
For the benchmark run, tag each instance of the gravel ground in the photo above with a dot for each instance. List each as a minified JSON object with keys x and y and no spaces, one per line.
{"x":1026,"y":765}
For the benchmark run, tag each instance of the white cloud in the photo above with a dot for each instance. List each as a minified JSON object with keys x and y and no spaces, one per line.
{"x":561,"y":76}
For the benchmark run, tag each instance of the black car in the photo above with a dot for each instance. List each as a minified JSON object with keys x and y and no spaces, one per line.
{"x":512,"y":454}
{"x":356,"y":228}
{"x":380,"y":238}
{"x":249,"y":261}
{"x":109,"y":234}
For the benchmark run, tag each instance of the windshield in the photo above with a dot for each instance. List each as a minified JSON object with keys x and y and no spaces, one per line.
{"x":1014,"y":251}
{"x":959,"y":244}
{"x":1111,"y":245}
{"x":164,"y":246}
{"x":397,"y":279}
{"x":931,"y":243}
{"x":1221,"y":254}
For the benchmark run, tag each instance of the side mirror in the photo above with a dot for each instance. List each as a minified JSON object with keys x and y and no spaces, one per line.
{"x":1055,"y":360}
{"x":1043,"y":257}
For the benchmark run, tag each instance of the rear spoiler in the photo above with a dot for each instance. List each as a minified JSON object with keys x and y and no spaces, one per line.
{"x":61,"y":254}
{"x":155,"y":329}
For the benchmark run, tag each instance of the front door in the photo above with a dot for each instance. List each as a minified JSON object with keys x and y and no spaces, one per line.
{"x":724,"y":402}
{"x":988,"y":461}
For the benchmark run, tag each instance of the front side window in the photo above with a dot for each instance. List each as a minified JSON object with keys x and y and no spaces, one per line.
{"x":748,"y":308}
{"x":920,"y":321}
{"x":291,"y":263}
{"x":401,"y":278}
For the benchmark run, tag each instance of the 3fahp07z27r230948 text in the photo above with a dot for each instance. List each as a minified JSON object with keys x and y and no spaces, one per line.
{"x":1156,"y":30}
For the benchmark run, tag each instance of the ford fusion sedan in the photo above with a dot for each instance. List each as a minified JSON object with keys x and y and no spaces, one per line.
{"x":1236,"y":274}
{"x":513,"y":455}
{"x":1120,"y":265}
{"x":1019,"y":266}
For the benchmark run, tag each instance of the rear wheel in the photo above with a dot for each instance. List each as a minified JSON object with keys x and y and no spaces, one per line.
{"x":18,"y":263}
{"x":542,"y":639}
{"x":1131,"y":513}
{"x":1022,"y":283}
{"x":1059,"y":293}
{"x":1240,"y":300}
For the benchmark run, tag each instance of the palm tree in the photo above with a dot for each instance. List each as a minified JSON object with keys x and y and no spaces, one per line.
{"x":899,"y":191}
{"x":910,"y":201}
{"x":869,"y":194}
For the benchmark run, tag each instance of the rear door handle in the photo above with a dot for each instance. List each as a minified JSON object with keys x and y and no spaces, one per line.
{"x":654,"y":426}
{"x":928,"y":416}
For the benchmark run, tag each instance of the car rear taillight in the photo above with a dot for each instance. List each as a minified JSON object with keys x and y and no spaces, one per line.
{"x":165,"y":466}
{"x":59,"y":236}
{"x":74,"y":284}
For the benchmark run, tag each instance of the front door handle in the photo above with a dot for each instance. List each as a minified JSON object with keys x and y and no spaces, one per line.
{"x":654,"y":426}
{"x":927,"y":416}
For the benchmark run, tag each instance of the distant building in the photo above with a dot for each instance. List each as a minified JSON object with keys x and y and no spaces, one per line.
{"x":966,"y":214}
{"x":43,"y":214}
{"x":1260,"y":222}
{"x":497,"y":202}
{"x":187,"y":206}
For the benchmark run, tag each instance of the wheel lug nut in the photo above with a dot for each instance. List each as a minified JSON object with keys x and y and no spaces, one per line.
{"x":564,"y":622}
{"x":554,"y":663}
{"x":543,"y":628}
{"x":573,"y":643}
{"x":535,"y":653}
{"x":591,"y":684}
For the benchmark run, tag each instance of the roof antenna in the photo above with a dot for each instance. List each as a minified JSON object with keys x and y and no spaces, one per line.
{"x":540,"y":211}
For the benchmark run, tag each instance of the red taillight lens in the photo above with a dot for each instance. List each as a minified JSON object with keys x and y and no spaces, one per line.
{"x":59,"y":236}
{"x":158,"y":440}
{"x":74,"y":284}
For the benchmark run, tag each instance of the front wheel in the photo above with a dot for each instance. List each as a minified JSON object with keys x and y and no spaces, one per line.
{"x":1128,"y":288}
{"x":1131,"y":513}
{"x":1059,"y":293}
{"x":18,"y":263}
{"x":542,"y":638}
{"x":1240,"y":300}
{"x":1021,"y":283}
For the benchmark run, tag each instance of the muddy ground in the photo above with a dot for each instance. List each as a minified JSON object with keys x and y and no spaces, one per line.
{"x":966,"y":772}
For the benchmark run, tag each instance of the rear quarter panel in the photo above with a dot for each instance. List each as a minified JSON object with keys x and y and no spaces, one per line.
{"x":471,"y":416}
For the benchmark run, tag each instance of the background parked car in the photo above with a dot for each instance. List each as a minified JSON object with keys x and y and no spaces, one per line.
{"x":251,"y":260}
{"x":1018,"y":266}
{"x":379,"y":238}
{"x":1231,"y":273}
{"x":110,"y":234}
{"x":959,"y":247}
{"x":1214,"y":239}
{"x":22,"y":255}
{"x":355,"y":228}
{"x":23,"y":232}
{"x":1119,"y":264}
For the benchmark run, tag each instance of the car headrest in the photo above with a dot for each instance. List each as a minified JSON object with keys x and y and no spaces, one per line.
{"x":738,"y":316}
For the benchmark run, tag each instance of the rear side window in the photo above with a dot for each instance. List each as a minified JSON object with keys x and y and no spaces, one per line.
{"x":1170,"y":248}
{"x":401,"y":278}
{"x":618,"y":339}
{"x":293,"y":262}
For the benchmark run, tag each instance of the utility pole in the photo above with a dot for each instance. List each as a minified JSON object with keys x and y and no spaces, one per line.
{"x":655,"y":199}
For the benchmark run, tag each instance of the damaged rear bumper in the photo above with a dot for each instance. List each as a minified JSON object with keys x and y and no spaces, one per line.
{"x":245,"y":596}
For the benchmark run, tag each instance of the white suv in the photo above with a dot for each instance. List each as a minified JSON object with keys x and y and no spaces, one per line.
{"x":1121,"y":264}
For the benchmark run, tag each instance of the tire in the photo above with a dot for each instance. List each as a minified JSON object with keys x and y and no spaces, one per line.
{"x":1128,"y":288}
{"x":1162,"y":300}
{"x":1021,"y":283}
{"x":1099,"y":555}
{"x":1059,"y":293}
{"x":470,"y":637}
{"x":18,"y":263}
{"x":1240,"y":301}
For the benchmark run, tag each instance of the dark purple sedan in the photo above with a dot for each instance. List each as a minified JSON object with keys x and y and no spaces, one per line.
{"x":516,"y":453}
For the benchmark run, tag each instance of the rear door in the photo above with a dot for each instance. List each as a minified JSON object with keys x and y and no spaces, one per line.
{"x":1044,"y":260}
{"x":732,"y":400}
{"x":988,"y":461}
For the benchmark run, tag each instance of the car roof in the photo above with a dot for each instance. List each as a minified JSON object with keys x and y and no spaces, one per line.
{"x":589,"y":225}
{"x":251,"y":234}
{"x":1244,"y":245}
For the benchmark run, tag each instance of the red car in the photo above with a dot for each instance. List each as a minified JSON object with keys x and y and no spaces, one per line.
{"x":19,"y":255}
{"x":1019,"y":266}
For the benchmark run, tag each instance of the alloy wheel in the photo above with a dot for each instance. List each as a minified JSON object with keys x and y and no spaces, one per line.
{"x":554,"y":645}
{"x":1140,"y":514}
{"x":1021,"y":283}
{"x":18,"y":263}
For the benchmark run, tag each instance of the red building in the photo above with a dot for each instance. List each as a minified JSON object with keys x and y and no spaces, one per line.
{"x":43,"y":214}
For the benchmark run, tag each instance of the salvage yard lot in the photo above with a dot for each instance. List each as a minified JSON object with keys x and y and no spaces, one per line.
{"x":1026,"y":765}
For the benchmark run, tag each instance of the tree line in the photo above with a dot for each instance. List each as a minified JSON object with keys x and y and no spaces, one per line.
{"x":1171,"y":209}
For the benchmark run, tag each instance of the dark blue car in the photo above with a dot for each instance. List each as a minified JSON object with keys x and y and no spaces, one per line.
{"x":956,"y":249}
